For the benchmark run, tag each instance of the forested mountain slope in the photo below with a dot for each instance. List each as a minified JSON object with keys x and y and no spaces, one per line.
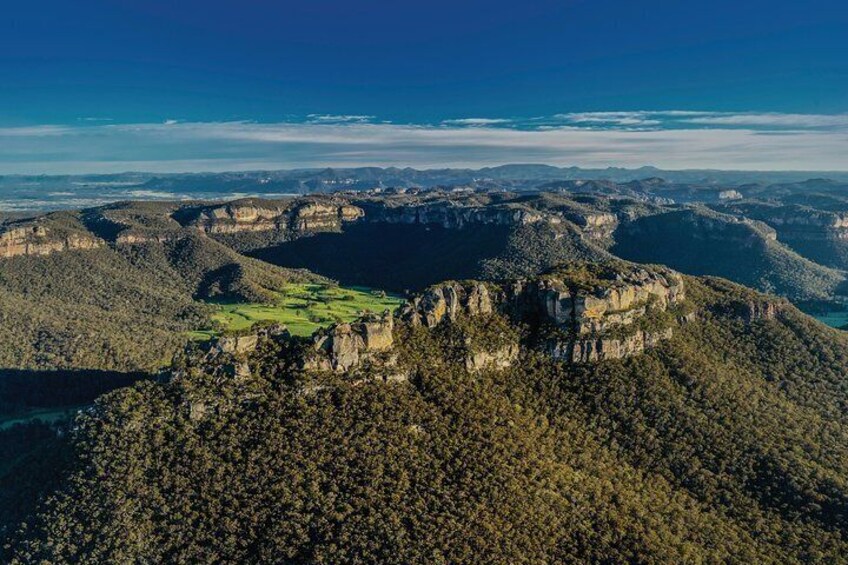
{"x":116,"y":287}
{"x":467,"y":430}
{"x":120,"y":307}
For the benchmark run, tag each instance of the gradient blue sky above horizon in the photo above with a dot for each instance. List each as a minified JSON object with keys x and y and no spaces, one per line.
{"x":113,"y":85}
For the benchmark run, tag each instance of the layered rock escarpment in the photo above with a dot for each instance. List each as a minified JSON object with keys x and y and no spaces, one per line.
{"x":819,"y":235}
{"x":457,"y":214}
{"x":797,"y":221}
{"x":591,"y":311}
{"x":598,"y":312}
{"x":343,"y":347}
{"x":448,"y":301}
{"x":578,"y":313}
{"x":35,"y":239}
{"x":599,"y":226}
{"x":297,"y":216}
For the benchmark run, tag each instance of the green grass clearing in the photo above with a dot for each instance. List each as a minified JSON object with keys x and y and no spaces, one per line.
{"x":302,"y":308}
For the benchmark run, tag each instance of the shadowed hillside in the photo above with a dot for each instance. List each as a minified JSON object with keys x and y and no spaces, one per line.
{"x":460,"y":436}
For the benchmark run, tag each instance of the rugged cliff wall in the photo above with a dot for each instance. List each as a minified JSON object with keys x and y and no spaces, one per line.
{"x":795,"y":219}
{"x":576,"y":314}
{"x":593,"y":311}
{"x":343,"y":347}
{"x":35,"y":239}
{"x":457,"y":214}
{"x":297,"y":216}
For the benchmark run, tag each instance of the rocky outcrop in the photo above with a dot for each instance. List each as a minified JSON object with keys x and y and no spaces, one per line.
{"x":135,"y":238}
{"x":596,"y":310}
{"x":593,"y":226}
{"x":594,"y":306}
{"x":447,"y":301}
{"x":730,"y":195}
{"x":36,"y":239}
{"x":319,"y":216}
{"x":297,"y":216}
{"x":496,"y":358}
{"x":592,"y":349}
{"x":755,"y":310}
{"x":701,"y":224}
{"x":343,"y":347}
{"x":235,"y":217}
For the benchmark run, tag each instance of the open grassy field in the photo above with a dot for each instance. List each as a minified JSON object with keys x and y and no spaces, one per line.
{"x":302,"y":308}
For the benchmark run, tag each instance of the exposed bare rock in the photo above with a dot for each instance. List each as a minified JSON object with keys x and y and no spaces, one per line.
{"x":135,"y":238}
{"x":35,"y":239}
{"x":753,"y":311}
{"x":596,"y":309}
{"x":320,"y":216}
{"x":598,"y":226}
{"x":342,"y":347}
{"x":620,"y":299}
{"x":297,"y":216}
{"x":447,"y":301}
{"x":498,"y":358}
{"x":452,"y":216}
{"x":588,"y":349}
{"x":237,"y":344}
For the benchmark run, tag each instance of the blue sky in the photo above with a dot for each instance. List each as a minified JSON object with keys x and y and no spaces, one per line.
{"x":105,"y":85}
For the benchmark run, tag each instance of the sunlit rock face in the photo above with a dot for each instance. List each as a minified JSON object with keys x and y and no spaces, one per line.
{"x":36,"y":239}
{"x":296,"y":216}
{"x":343,"y":347}
{"x":596,"y":310}
{"x":447,"y":301}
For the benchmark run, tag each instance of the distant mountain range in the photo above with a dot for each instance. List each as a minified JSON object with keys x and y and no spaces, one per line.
{"x":42,"y":192}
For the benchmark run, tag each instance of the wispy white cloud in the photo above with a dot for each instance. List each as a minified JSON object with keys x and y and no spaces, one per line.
{"x":598,"y":139}
{"x":339,"y":118}
{"x":476,"y":121}
{"x":772,"y":120}
{"x":610,"y":118}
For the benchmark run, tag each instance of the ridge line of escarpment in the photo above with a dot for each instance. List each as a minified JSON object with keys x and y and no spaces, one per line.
{"x":581,"y":313}
{"x":36,"y":239}
{"x":140,"y":222}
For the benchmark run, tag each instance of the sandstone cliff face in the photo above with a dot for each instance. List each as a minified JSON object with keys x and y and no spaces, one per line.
{"x":756,"y":310}
{"x":599,"y":226}
{"x":447,"y":301}
{"x":297,"y":217}
{"x":595,"y":310}
{"x":40,"y":240}
{"x":619,"y":301}
{"x":317,"y":216}
{"x":797,"y":222}
{"x":701,"y":224}
{"x":133,"y":238}
{"x":588,"y":350}
{"x":501,"y":357}
{"x":343,"y":347}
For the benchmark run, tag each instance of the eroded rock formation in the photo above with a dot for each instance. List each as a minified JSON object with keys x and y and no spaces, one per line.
{"x":35,"y":239}
{"x":343,"y":347}
{"x":296,"y":216}
{"x":596,"y":311}
{"x":447,"y":301}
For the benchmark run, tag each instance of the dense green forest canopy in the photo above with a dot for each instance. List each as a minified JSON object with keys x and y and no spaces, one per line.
{"x":725,"y":443}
